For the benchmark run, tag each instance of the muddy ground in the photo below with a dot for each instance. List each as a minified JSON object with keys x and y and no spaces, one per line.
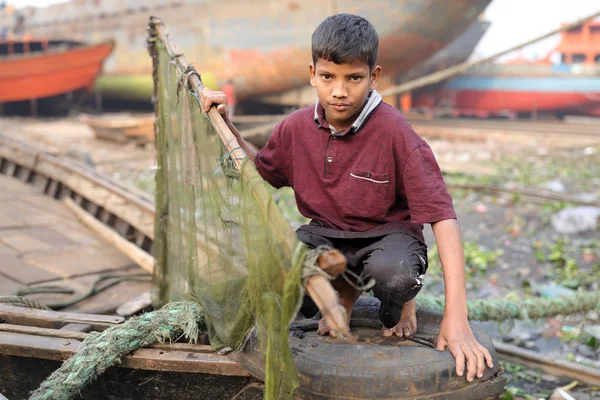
{"x":513,"y":249}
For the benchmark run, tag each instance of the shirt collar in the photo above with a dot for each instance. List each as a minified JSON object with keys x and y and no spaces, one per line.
{"x":372,"y":102}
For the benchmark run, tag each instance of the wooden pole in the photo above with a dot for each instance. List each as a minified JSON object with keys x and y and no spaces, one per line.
{"x":460,"y":68}
{"x":318,"y":287}
{"x":137,"y":255}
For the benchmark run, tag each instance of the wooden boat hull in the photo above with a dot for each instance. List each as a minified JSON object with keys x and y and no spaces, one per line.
{"x":39,"y":75}
{"x":33,"y":343}
{"x":25,"y":374}
{"x":119,"y":128}
{"x":492,"y":94}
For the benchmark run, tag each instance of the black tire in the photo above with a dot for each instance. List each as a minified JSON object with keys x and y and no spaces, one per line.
{"x":373,"y":367}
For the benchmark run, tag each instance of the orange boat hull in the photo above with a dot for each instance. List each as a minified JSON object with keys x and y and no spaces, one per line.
{"x":34,"y":76}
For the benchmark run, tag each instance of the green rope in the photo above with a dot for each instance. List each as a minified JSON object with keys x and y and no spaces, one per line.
{"x":23,"y":302}
{"x":504,"y":310}
{"x":102,"y":283}
{"x":100,"y":351}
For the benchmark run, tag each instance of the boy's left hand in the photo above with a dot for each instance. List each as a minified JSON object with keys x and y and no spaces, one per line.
{"x":456,"y":334}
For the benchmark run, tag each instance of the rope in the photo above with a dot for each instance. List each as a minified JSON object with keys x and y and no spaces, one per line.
{"x":183,"y":80}
{"x":311,"y":267}
{"x":100,"y":351}
{"x":102,"y":283}
{"x":504,"y":310}
{"x":225,"y":158}
{"x":23,"y":302}
{"x":45,"y":289}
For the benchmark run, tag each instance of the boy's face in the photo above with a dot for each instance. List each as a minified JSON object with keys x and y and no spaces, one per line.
{"x":343,"y":89}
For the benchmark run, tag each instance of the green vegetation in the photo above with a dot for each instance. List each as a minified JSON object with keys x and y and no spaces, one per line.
{"x":478,"y":260}
{"x":286,"y":201}
{"x":561,"y":256}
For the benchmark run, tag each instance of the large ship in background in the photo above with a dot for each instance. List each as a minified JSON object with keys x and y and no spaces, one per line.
{"x":565,"y":81}
{"x":263,"y":46}
{"x":43,"y":72}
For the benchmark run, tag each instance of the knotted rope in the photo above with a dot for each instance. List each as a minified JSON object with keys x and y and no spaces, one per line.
{"x":100,"y":351}
{"x":504,"y":310}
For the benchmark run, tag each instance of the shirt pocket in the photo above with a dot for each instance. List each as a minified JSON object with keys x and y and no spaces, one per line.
{"x":370,"y":194}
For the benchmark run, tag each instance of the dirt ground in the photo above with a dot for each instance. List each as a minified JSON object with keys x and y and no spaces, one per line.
{"x":513,"y":249}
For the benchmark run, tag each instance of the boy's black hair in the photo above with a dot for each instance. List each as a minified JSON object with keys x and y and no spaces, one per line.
{"x":345,"y":38}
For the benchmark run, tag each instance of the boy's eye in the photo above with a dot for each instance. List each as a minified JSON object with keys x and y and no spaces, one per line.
{"x":326,"y":76}
{"x":355,"y":78}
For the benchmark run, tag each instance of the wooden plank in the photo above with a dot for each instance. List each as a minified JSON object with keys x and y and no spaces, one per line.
{"x":8,"y":286}
{"x":8,"y":221}
{"x":54,"y":319}
{"x":34,"y":330}
{"x":136,"y":305}
{"x":183,"y":361}
{"x":69,"y":262}
{"x":23,"y":271}
{"x":51,"y":235}
{"x":139,"y":256}
{"x":110,"y":299}
{"x":103,"y":302}
{"x":48,"y":204}
{"x":22,"y":242}
{"x":12,"y":186}
{"x":83,"y":328}
{"x":79,"y":234}
{"x":4,"y":250}
{"x":49,"y":348}
{"x":200,"y":347}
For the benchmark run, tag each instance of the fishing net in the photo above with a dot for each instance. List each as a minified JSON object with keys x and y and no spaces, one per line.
{"x":220,"y":239}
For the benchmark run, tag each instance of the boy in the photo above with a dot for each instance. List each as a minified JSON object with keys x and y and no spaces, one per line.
{"x":368,"y":183}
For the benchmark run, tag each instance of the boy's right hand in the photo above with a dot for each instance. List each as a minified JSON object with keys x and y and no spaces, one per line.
{"x":210,"y":97}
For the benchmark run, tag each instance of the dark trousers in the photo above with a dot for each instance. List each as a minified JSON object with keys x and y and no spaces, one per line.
{"x":396,"y":261}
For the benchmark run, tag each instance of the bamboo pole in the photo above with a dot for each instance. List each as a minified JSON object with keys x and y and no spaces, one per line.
{"x":460,"y":68}
{"x":318,"y":287}
{"x":137,"y":255}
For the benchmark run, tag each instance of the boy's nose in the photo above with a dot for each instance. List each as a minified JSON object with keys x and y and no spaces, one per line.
{"x":339,"y":91}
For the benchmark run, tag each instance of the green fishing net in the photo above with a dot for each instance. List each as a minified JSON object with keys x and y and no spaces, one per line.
{"x":220,"y":239}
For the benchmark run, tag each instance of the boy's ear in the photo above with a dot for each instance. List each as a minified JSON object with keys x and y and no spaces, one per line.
{"x":311,"y":70}
{"x":375,"y":75}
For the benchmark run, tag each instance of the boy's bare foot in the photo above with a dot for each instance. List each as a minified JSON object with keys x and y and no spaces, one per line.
{"x":407,"y":326}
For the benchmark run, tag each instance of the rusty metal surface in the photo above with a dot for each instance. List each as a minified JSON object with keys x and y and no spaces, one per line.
{"x":263,"y":45}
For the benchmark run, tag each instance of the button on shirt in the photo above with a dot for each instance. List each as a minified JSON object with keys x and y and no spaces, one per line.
{"x":375,"y":178}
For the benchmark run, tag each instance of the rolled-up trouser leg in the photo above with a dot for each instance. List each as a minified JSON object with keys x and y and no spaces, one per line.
{"x":398,"y":263}
{"x":308,"y":308}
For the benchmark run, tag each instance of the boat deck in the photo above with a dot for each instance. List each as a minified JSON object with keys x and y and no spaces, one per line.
{"x":43,"y":243}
